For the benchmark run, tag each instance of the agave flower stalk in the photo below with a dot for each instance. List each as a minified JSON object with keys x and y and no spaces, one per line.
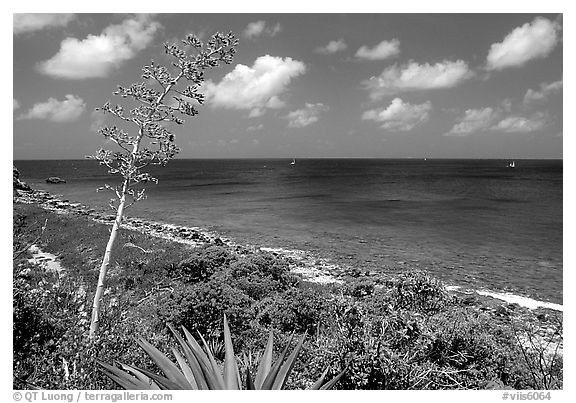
{"x":153,"y":143}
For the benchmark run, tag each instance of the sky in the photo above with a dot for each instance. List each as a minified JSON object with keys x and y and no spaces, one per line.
{"x":373,"y":85}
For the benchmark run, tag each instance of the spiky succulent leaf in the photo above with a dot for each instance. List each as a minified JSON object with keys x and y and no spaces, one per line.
{"x":330,"y":384}
{"x":231,"y":373}
{"x":286,"y":368}
{"x":138,"y":374}
{"x":271,"y":376}
{"x":265,"y":362}
{"x":122,"y":378}
{"x":168,"y":367}
{"x":193,"y":361}
{"x":214,"y":365}
{"x":207,"y":369}
{"x":186,"y":370}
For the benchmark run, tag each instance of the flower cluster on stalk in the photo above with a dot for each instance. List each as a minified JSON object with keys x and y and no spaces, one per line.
{"x":160,"y":101}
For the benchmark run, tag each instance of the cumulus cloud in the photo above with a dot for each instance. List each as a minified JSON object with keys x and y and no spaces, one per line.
{"x":535,"y":96}
{"x":473,"y":121}
{"x":98,"y":55}
{"x":255,"y":29}
{"x":400,"y":115}
{"x":384,"y":50}
{"x":306,"y":116}
{"x":255,"y":88}
{"x":15,"y":103}
{"x":332,"y":47}
{"x":24,"y":23}
{"x":255,"y":128}
{"x":530,"y":41}
{"x":520,"y":124}
{"x":413,"y":76}
{"x":499,"y":119}
{"x":57,"y":111}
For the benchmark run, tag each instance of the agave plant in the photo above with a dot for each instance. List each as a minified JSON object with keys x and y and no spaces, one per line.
{"x":198,"y":368}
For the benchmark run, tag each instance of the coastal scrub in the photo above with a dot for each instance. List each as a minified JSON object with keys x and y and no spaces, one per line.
{"x":379,"y":330}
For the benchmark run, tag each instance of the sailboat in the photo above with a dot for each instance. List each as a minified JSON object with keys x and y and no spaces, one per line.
{"x":512,"y":165}
{"x":293,"y":161}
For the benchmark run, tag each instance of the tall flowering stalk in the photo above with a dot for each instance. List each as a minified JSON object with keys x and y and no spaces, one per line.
{"x":160,"y":99}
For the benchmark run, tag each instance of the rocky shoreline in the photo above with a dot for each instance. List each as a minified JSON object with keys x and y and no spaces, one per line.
{"x":311,"y":268}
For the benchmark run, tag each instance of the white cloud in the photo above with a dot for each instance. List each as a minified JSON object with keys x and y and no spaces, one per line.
{"x":530,"y":41}
{"x":255,"y":128}
{"x":383,"y":50}
{"x":414,"y":76}
{"x":535,"y":96}
{"x":332,"y":47}
{"x":520,"y":124}
{"x":306,"y":116}
{"x":259,"y":28}
{"x":57,"y":111}
{"x":400,"y":115}
{"x":255,"y":88}
{"x":98,"y":55}
{"x":35,"y":22}
{"x":15,"y":103}
{"x":473,"y":121}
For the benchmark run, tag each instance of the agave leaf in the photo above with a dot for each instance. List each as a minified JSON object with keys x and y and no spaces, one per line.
{"x":215,"y":367}
{"x":288,"y":365}
{"x":271,"y":376}
{"x":249,"y":383}
{"x":122,"y":378}
{"x":168,"y":367}
{"x":206,"y":364}
{"x":208,"y":371}
{"x":231,"y":373}
{"x":194,"y":363}
{"x":185,"y":369}
{"x":265,"y":362}
{"x":163,"y":382}
{"x":140,"y":375}
{"x":320,"y":380}
{"x":330,"y":384}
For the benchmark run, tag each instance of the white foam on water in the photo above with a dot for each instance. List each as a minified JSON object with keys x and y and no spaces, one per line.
{"x":522,"y":301}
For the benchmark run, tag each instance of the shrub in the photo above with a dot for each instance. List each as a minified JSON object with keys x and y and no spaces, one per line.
{"x":296,"y":310}
{"x":419,"y":292}
{"x":204,"y":262}
{"x":200,"y":307}
{"x":261,"y":275}
{"x":359,"y":288}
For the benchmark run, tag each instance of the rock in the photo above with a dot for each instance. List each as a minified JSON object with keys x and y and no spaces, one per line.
{"x":17,"y":183}
{"x":542,"y":317}
{"x":54,"y":180}
{"x":469,"y":300}
{"x":501,"y":310}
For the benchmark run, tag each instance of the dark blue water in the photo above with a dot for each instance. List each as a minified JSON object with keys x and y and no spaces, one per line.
{"x":470,"y":222}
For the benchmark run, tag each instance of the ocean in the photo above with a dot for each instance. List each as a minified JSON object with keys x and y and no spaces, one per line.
{"x":471,"y":223}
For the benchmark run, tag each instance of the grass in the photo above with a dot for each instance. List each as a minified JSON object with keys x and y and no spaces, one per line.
{"x":407,"y":333}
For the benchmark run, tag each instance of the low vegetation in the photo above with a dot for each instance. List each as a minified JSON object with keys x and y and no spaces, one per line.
{"x":405,"y":333}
